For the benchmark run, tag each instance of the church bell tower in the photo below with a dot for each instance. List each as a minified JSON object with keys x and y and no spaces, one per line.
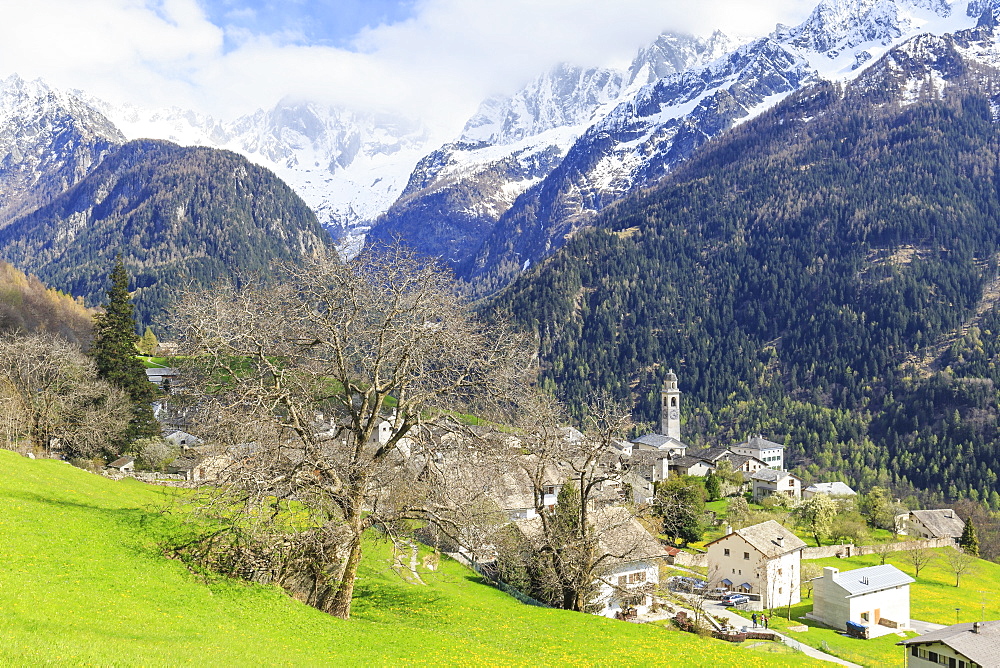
{"x":670,"y":408}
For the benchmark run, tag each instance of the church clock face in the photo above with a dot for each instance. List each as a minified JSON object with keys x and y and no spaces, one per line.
{"x":673,"y":414}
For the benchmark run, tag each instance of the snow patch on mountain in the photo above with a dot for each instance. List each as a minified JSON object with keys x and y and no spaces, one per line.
{"x":349,"y":167}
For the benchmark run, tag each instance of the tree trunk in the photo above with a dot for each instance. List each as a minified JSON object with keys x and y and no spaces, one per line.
{"x":341,"y":604}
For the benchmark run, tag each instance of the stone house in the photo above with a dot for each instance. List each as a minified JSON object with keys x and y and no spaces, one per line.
{"x":969,"y":645}
{"x":772,"y":481}
{"x":944,"y":523}
{"x":123,"y":465}
{"x":763,"y":560}
{"x":869,"y":596}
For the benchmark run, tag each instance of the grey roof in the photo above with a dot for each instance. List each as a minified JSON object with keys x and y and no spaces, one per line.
{"x":874,"y":578}
{"x":687,"y":462}
{"x":982,"y":647}
{"x":619,"y":535}
{"x":944,"y":523}
{"x":739,"y":460}
{"x":710,"y":454}
{"x":658,"y":441}
{"x":182,"y":437}
{"x":770,"y":475}
{"x":647,"y":456}
{"x":769,"y":538}
{"x":759,"y":443}
{"x":832,"y":488}
{"x":121,"y":461}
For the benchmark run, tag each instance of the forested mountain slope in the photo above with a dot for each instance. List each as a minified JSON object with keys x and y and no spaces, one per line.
{"x":177,"y":215}
{"x":790,"y":270}
{"x":26,"y":305}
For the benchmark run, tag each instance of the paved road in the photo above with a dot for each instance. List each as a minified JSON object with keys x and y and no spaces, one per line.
{"x":738,"y":622}
{"x":924,"y":627}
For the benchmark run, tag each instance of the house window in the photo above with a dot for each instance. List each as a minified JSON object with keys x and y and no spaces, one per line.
{"x":726,"y":552}
{"x":779,"y":571}
{"x":746,"y":555}
{"x":779,"y":590}
{"x":864,"y":616}
{"x":791,"y":483}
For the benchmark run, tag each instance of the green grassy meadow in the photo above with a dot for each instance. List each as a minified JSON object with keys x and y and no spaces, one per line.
{"x":84,"y":583}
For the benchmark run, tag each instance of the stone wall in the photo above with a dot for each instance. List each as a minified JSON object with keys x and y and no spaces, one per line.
{"x":689,"y":560}
{"x":851,"y":550}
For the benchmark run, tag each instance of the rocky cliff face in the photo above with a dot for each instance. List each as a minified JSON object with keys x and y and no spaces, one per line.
{"x":49,"y":141}
{"x":456,"y":194}
{"x":663,"y":123}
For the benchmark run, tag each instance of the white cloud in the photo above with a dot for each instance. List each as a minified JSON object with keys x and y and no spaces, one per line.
{"x":441,"y":61}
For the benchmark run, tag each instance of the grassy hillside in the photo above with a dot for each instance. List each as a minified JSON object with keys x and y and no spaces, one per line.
{"x":83,"y":583}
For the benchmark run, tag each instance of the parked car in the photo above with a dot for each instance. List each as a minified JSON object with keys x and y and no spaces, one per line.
{"x":734,"y":599}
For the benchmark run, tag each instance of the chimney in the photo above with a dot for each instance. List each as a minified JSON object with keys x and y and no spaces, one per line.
{"x":829,"y":572}
{"x":780,"y":540}
{"x":976,"y":626}
{"x":729,"y":529}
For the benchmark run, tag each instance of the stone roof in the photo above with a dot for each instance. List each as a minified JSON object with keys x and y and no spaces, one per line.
{"x":944,"y":523}
{"x":769,"y":538}
{"x":710,"y":454}
{"x":874,"y":578}
{"x":687,"y":462}
{"x":976,"y":641}
{"x":658,"y":441}
{"x":619,"y":535}
{"x":832,"y":488}
{"x":120,"y":462}
{"x":647,"y":456}
{"x":739,"y":460}
{"x":759,"y":443}
{"x":770,"y":475}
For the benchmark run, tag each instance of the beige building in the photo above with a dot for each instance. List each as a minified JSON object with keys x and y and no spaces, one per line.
{"x":970,"y":645}
{"x":763,"y":560}
{"x":869,"y":596}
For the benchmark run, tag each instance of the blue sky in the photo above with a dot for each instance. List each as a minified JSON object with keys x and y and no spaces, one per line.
{"x":429,"y":59}
{"x":332,"y":23}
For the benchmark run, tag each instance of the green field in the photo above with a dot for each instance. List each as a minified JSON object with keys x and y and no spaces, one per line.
{"x":83,"y":583}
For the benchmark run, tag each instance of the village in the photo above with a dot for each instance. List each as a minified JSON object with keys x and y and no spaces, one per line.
{"x":744,"y":573}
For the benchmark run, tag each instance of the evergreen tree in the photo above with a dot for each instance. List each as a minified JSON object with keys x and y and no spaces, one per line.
{"x":969,"y":541}
{"x":148,"y":342}
{"x":713,"y":487}
{"x":114,"y":352}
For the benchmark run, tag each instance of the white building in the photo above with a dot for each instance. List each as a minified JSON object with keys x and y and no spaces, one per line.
{"x":769,"y":452}
{"x":763,"y":559}
{"x":869,"y":596}
{"x":770,"y":481}
{"x":957,"y":646}
{"x":670,"y":407}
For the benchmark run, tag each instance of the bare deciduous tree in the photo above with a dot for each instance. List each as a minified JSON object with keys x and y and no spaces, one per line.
{"x":574,"y":546}
{"x":50,"y":394}
{"x":326,"y":390}
{"x":883,"y":550}
{"x":919,"y":558}
{"x":959,"y":563}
